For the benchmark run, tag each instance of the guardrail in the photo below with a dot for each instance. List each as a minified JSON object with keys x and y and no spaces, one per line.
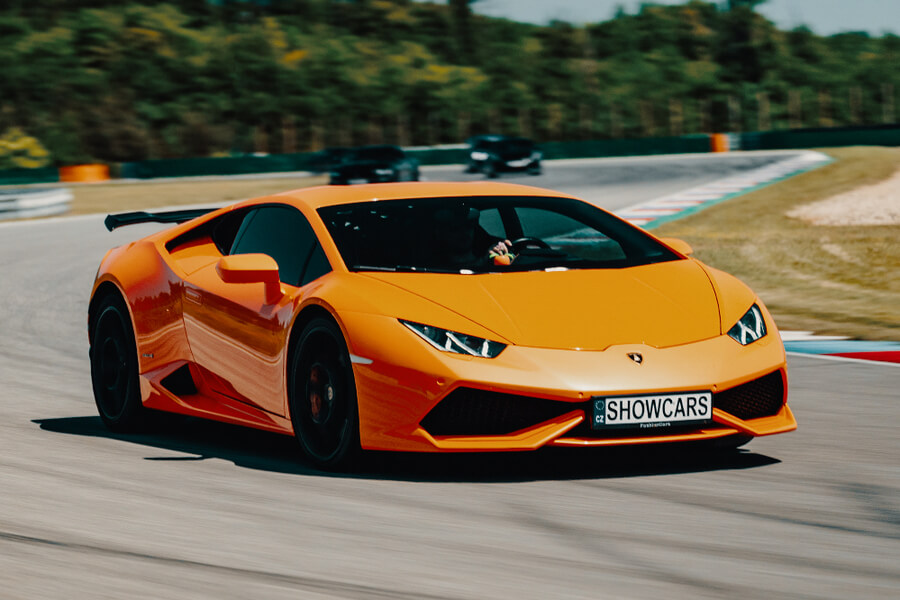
{"x":23,"y":203}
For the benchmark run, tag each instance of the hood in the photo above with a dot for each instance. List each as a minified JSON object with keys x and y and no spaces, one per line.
{"x":661,"y":305}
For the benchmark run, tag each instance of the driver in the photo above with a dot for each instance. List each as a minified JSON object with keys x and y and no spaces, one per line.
{"x":460,"y":243}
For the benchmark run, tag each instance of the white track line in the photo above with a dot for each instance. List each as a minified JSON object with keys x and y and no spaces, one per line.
{"x":845,"y":359}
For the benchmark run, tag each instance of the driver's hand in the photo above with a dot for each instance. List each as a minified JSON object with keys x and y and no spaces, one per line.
{"x":501,"y":248}
{"x":500,"y":253}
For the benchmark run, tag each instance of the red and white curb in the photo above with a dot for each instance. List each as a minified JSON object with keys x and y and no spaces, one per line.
{"x":657,"y":211}
{"x":838,"y":347}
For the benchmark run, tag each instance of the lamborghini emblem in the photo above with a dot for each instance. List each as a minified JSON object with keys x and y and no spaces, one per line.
{"x":636,"y":357}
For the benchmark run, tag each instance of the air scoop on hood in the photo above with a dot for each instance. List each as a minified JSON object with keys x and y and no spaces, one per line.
{"x":661,"y":305}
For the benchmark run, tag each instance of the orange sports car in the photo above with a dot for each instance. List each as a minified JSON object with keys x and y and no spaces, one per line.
{"x":431,"y":317}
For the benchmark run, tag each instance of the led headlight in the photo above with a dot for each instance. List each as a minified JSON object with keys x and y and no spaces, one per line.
{"x":479,"y":155}
{"x":457,"y":343}
{"x":749,"y":328}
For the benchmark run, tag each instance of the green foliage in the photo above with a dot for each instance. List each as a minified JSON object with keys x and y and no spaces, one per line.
{"x":21,"y":151}
{"x":113,"y":81}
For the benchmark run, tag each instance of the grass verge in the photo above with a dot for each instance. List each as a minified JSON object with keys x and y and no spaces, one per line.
{"x":841,"y":280}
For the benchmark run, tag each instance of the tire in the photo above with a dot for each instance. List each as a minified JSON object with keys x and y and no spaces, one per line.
{"x":490,"y":171}
{"x":114,"y":367}
{"x":322,"y":397}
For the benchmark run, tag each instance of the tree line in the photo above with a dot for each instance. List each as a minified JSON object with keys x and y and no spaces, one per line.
{"x":112,"y":81}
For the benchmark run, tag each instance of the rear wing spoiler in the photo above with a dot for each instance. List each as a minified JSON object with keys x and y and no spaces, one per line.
{"x":169,"y":216}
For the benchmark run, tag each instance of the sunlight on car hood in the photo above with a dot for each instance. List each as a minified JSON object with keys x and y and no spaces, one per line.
{"x":664,"y":304}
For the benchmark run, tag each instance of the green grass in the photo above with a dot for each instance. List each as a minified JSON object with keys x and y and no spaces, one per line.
{"x":842,"y":280}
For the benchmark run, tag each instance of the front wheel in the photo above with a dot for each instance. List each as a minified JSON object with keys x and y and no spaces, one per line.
{"x":322,"y":397}
{"x":114,"y":367}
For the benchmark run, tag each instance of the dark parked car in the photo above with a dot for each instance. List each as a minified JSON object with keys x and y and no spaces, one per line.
{"x":492,"y":156}
{"x":375,"y":164}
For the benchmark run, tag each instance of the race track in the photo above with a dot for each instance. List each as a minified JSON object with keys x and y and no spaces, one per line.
{"x":204,"y":510}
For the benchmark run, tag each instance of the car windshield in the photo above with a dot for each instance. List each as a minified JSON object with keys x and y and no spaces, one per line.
{"x":384,"y":153}
{"x":457,"y":235}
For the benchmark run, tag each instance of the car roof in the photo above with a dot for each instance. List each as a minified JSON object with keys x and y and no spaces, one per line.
{"x":333,"y":195}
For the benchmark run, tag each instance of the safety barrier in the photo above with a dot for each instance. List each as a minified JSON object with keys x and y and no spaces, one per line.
{"x":199,"y":167}
{"x":84,"y":173}
{"x":630,"y":147}
{"x":24,"y":176}
{"x":880,"y":135}
{"x":23,"y":203}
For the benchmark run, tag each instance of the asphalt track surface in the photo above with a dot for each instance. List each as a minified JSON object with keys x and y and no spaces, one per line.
{"x":204,"y":510}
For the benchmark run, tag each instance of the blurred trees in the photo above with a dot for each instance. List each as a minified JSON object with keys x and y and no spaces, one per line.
{"x":103,"y":80}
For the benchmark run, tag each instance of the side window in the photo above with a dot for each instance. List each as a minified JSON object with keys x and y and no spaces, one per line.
{"x":491,"y":222}
{"x":316,"y":266}
{"x":284,"y":234}
{"x":226,"y":228}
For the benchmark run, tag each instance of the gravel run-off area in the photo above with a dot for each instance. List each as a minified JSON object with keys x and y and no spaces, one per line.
{"x":877,"y":204}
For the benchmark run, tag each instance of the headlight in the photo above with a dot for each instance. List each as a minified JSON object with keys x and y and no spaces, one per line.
{"x":457,"y":343}
{"x":384,"y":171}
{"x":749,"y":328}
{"x":479,"y":156}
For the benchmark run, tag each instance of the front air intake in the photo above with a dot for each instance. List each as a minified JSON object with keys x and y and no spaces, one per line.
{"x":761,"y":397}
{"x":469,"y":411}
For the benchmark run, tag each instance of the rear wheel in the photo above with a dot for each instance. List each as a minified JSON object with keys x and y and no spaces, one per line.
{"x":114,"y":367}
{"x":322,"y":397}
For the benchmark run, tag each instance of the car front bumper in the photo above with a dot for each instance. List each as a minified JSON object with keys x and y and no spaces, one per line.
{"x":400,"y":380}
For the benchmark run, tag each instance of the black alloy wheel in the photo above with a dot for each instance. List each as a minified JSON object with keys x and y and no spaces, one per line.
{"x":114,"y":367}
{"x":322,"y":396}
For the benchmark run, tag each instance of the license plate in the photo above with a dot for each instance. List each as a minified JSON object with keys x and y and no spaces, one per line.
{"x":518,"y":163}
{"x":355,"y":181}
{"x":648,"y":412}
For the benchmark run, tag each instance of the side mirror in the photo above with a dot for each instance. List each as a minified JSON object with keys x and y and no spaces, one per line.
{"x":252,"y":268}
{"x":678,"y":245}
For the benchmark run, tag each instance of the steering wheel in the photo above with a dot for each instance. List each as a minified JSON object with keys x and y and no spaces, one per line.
{"x":528,"y":242}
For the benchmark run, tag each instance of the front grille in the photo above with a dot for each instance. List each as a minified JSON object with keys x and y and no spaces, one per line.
{"x":761,"y":397}
{"x":469,"y":411}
